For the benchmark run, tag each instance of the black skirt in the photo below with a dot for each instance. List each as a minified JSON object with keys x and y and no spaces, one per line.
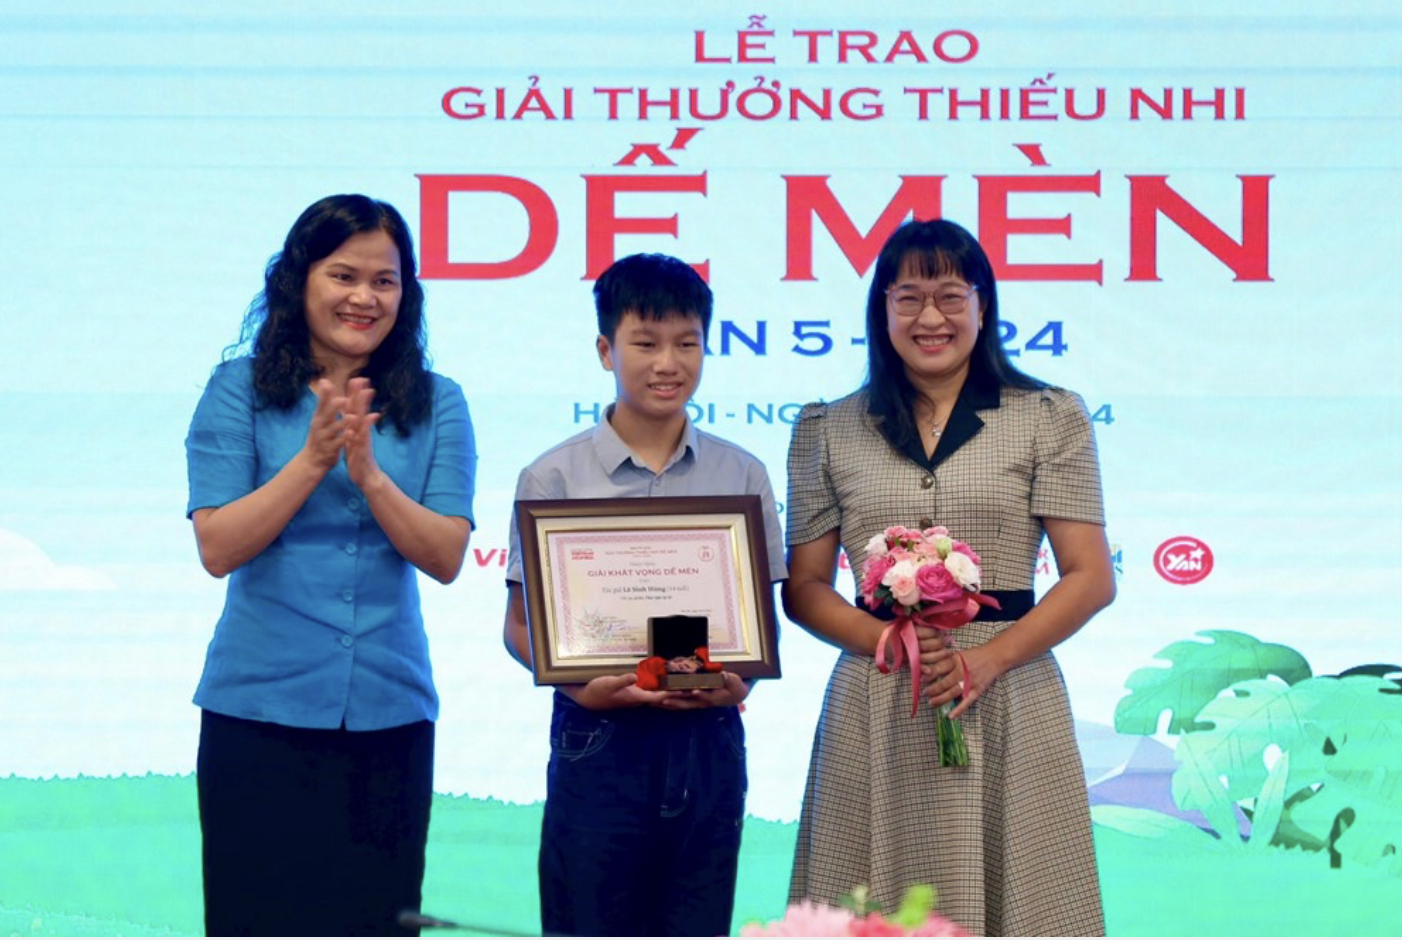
{"x":311,"y":832}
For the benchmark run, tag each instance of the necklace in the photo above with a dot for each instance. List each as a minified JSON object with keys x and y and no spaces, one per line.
{"x":937,"y":427}
{"x":935,"y":424}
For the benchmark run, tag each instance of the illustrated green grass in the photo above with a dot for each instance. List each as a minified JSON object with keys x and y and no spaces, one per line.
{"x":120,"y":857}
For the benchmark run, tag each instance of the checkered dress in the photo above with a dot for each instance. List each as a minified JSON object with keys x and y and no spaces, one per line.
{"x":1006,"y":841}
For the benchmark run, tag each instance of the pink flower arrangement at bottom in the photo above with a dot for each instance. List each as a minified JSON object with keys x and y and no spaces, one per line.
{"x":915,"y":918}
{"x":806,"y":919}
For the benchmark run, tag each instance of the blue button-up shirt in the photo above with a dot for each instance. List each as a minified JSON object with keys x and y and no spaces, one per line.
{"x":323,"y":626}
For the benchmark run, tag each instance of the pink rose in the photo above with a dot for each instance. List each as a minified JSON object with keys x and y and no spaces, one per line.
{"x":964,"y":549}
{"x":901,"y":579}
{"x":926,"y":551}
{"x":937,"y":926}
{"x":875,"y":570}
{"x":936,"y":532}
{"x":899,"y":535}
{"x":874,"y":925}
{"x":804,"y":919}
{"x":937,"y":585}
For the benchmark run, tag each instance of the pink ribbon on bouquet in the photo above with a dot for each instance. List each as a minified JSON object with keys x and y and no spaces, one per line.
{"x":946,"y":616}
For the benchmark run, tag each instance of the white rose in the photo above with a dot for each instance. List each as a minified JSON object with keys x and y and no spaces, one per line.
{"x":876,"y":548}
{"x":962,"y":568}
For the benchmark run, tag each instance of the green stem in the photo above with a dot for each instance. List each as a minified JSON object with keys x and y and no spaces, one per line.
{"x":953,"y":751}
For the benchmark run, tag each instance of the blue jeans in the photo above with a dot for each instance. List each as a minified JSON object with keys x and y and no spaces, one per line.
{"x":643,"y":812}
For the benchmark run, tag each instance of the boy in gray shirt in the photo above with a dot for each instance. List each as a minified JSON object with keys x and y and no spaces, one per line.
{"x":645,"y":791}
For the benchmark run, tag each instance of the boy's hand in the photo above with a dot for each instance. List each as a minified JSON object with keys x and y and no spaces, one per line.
{"x":609,"y":692}
{"x":732,"y":693}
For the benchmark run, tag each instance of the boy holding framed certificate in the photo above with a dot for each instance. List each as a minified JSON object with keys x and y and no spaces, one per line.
{"x":645,"y":789}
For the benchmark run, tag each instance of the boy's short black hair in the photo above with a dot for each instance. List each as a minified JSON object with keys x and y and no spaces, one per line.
{"x":654,"y":287}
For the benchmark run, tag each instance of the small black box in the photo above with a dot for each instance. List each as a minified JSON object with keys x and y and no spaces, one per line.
{"x":676,"y":639}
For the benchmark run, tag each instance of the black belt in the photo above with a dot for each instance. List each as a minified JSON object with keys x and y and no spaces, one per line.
{"x":1015,"y":605}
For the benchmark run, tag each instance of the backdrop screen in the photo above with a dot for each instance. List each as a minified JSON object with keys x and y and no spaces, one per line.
{"x":1193,"y":216}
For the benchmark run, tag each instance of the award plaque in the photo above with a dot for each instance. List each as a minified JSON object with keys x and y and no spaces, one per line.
{"x":597,"y":570}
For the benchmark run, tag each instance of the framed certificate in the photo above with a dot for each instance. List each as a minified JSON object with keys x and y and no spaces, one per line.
{"x":597,"y":569}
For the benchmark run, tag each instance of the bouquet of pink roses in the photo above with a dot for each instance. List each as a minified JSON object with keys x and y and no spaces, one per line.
{"x":926,"y":579}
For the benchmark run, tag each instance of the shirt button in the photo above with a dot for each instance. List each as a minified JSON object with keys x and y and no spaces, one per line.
{"x":926,"y":482}
{"x":347,"y":596}
{"x":352,"y":504}
{"x":350,"y":548}
{"x":924,"y":524}
{"x":347,"y":641}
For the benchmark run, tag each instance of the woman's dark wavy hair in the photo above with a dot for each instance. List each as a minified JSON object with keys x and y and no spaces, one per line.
{"x":933,"y":249}
{"x":276,"y":321}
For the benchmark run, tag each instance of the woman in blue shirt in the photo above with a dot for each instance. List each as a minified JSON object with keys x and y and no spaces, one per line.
{"x":324,"y":469}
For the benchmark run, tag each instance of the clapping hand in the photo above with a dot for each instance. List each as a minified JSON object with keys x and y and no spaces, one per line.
{"x":326,"y":436}
{"x":359,"y":422}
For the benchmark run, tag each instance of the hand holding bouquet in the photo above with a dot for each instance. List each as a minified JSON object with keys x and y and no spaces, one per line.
{"x":926,"y":579}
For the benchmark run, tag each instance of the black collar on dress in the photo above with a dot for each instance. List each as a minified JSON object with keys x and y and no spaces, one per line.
{"x":977,"y":394}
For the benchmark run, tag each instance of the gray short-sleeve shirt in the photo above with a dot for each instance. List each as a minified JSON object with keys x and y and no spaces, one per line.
{"x":596,"y":464}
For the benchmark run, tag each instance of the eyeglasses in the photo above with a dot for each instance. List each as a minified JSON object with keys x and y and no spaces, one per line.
{"x":949,"y":300}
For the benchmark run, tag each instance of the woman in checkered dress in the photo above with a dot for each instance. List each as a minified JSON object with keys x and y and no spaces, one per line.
{"x":947,"y":432}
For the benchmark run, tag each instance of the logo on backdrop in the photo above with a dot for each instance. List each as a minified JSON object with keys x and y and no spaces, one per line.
{"x":1183,"y":560}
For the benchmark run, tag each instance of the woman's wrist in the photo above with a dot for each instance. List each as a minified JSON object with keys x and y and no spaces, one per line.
{"x":376,"y":484}
{"x":307,"y":465}
{"x":880,"y":635}
{"x":1004,"y":657}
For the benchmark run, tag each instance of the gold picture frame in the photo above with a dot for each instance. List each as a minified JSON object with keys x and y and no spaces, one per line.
{"x":595,"y":570}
